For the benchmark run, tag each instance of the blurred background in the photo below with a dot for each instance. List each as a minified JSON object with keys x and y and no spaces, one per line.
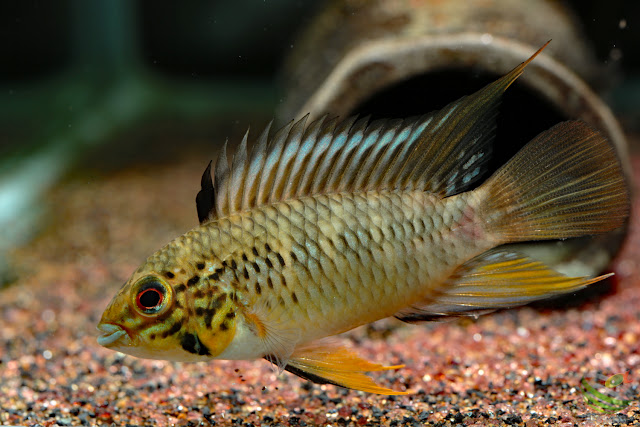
{"x":88,"y":87}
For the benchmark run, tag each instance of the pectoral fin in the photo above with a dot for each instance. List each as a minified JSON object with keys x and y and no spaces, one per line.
{"x":496,"y":279}
{"x":325,"y":363}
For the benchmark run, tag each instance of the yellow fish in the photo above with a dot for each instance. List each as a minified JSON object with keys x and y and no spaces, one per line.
{"x":329,"y":226}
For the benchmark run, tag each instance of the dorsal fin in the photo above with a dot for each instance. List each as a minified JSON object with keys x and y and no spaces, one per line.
{"x":443,"y":152}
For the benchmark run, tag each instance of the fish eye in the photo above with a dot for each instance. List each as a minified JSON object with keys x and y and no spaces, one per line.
{"x":152,"y":296}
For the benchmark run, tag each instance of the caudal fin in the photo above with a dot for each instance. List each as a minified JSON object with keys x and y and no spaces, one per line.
{"x":567,"y":182}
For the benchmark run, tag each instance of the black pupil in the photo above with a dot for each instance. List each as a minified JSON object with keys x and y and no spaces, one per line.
{"x":150,"y":298}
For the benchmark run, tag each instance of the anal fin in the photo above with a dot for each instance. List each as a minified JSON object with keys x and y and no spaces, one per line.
{"x":326,"y":363}
{"x":494,"y":280}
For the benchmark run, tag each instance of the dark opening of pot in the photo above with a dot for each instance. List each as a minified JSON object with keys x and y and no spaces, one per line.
{"x":523,"y":114}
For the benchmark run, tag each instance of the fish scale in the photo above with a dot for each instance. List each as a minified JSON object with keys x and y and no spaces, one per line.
{"x":336,"y":258}
{"x":325,"y":227}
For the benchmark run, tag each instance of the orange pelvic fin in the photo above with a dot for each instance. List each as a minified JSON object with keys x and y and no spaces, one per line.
{"x":326,"y":363}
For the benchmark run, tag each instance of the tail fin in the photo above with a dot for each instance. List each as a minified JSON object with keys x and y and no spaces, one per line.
{"x":567,"y":182}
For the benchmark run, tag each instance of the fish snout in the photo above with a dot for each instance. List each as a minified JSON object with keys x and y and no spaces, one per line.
{"x":110,"y":334}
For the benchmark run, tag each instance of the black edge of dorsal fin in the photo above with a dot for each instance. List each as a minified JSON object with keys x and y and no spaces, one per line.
{"x":443,"y":152}
{"x":220,"y":181}
{"x":206,"y":197}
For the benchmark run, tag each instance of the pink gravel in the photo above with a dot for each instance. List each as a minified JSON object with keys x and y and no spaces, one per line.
{"x":516,"y":367}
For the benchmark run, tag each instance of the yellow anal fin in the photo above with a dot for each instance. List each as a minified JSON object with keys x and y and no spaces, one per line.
{"x":330,"y":364}
{"x":494,"y":280}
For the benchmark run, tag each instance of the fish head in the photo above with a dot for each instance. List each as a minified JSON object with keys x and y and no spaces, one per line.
{"x":168,"y":316}
{"x":132,"y":322}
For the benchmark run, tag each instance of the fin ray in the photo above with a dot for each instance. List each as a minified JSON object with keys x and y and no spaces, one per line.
{"x":328,"y":363}
{"x":494,"y":280}
{"x":444,"y":152}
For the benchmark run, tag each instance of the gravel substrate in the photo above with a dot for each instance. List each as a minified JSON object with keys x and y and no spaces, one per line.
{"x":516,"y":367}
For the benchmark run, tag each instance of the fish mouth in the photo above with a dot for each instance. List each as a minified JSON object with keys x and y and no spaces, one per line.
{"x":110,"y":334}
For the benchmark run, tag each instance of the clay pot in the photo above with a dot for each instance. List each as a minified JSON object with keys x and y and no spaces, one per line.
{"x":398,"y":58}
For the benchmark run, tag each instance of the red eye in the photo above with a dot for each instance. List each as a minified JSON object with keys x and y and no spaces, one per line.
{"x":149,"y":300}
{"x":151,"y":296}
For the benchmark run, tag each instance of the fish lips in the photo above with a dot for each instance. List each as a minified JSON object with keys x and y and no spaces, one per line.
{"x":110,"y":334}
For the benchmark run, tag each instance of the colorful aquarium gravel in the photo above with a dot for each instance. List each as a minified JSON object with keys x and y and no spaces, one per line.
{"x":518,"y":367}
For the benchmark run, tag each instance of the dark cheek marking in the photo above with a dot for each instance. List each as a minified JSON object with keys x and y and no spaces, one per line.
{"x":224,"y":326}
{"x":200,"y":311}
{"x":192,"y":344}
{"x":173,"y":330}
{"x":231,"y":315}
{"x":180,"y":288}
{"x":198,"y":294}
{"x":208,"y":317}
{"x":195,"y":279}
{"x":169,"y":274}
{"x":215,"y":277}
{"x":199,"y":266}
{"x":152,"y":337}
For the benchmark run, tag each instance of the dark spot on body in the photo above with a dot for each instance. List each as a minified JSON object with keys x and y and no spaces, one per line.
{"x":294,"y":297}
{"x":177,"y":325}
{"x":293,"y":256}
{"x":224,"y":264}
{"x":195,"y":279}
{"x":192,"y":344}
{"x":200,"y":311}
{"x":245,"y":273}
{"x":267,"y":247}
{"x":169,"y":274}
{"x":199,"y":266}
{"x":230,"y":315}
{"x":281,"y":301}
{"x":234,"y":265}
{"x":268,"y":262}
{"x":152,"y":337}
{"x":244,"y":257}
{"x":258,"y":288}
{"x":177,"y":304}
{"x":199,"y":293}
{"x":270,"y":282}
{"x":208,"y":317}
{"x":224,"y":326}
{"x":280,"y":259}
{"x":180,"y":288}
{"x":255,"y":251}
{"x":284,"y":282}
{"x":220,"y":300}
{"x":256,"y":267}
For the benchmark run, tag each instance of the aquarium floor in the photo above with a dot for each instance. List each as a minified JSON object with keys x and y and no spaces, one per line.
{"x":516,"y":367}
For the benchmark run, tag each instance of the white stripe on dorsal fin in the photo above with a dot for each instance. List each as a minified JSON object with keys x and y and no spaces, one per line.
{"x":444,"y":152}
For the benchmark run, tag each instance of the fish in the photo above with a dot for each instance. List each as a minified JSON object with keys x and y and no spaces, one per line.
{"x":327,"y":226}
